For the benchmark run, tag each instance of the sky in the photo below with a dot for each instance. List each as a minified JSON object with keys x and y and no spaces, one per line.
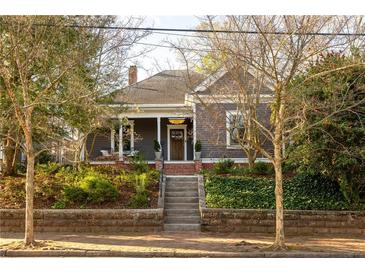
{"x":158,"y":58}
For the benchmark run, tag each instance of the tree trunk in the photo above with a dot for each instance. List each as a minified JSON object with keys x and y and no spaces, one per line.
{"x":278,"y":141}
{"x":9,"y":154}
{"x":251,"y":157}
{"x":279,"y":231}
{"x":29,"y":186}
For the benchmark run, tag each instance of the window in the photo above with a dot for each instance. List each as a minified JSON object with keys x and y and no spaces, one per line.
{"x":235,"y":128}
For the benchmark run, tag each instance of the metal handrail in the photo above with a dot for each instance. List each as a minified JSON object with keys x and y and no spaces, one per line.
{"x":161,"y":171}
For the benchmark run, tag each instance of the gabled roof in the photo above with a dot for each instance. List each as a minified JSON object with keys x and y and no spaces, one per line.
{"x":224,"y":82}
{"x":166,"y":87}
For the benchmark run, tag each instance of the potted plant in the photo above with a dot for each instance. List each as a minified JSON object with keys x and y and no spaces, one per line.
{"x":157,"y":148}
{"x":198,"y":149}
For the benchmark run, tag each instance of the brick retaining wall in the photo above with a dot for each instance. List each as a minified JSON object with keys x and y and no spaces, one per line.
{"x":84,"y":220}
{"x":297,"y":222}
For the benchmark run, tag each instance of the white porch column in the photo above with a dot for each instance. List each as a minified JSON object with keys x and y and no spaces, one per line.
{"x":132,"y":134}
{"x":82,"y":151}
{"x":121,"y":141}
{"x":112,"y":141}
{"x":194,"y":129}
{"x":82,"y":157}
{"x":159,"y":130}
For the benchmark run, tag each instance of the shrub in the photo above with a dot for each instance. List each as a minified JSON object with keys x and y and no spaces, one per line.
{"x":98,"y":189}
{"x":74,"y":194}
{"x":239,"y":192}
{"x":335,"y":145}
{"x":262,"y":168}
{"x":198,"y":146}
{"x":139,"y":200}
{"x":20,"y":168}
{"x":49,"y":168}
{"x":311,"y":190}
{"x":224,"y":166}
{"x":156,"y":146}
{"x":59,"y":204}
{"x":305,"y":191}
{"x":44,"y":158}
{"x":139,"y":164}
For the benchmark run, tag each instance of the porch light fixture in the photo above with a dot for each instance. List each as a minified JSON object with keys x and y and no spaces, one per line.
{"x":176,"y":121}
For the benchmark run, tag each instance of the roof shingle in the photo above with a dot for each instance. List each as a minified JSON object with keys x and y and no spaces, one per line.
{"x":166,"y":87}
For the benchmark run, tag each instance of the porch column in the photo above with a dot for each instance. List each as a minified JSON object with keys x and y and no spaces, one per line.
{"x":112,"y":141}
{"x":82,"y":148}
{"x":194,"y":129}
{"x":159,"y":129}
{"x":120,"y":142}
{"x":132,"y":134}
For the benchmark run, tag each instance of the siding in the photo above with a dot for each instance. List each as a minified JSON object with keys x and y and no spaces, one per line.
{"x":145,"y":132}
{"x":211,"y":130}
{"x":102,"y":142}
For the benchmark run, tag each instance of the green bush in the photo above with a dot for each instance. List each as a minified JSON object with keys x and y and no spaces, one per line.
{"x":156,"y":146}
{"x":239,"y":192}
{"x":44,"y":158}
{"x":75,"y":194}
{"x":20,"y":168}
{"x":59,"y":204}
{"x":223,"y":166}
{"x":139,"y":200}
{"x":262,"y":168}
{"x":335,"y":145}
{"x":139,"y":164}
{"x":305,"y":191}
{"x":99,"y":189}
{"x":49,"y":167}
{"x":198,"y":146}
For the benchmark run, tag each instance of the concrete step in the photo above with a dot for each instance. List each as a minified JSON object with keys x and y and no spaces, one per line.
{"x":182,"y":227}
{"x":181,"y":199}
{"x":181,"y":205}
{"x":181,"y":212}
{"x":169,"y":194}
{"x":181,"y":188}
{"x":182,"y":184}
{"x":181,"y":178}
{"x":182,"y":219}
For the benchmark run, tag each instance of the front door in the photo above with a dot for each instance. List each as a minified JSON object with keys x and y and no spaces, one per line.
{"x":176,"y":144}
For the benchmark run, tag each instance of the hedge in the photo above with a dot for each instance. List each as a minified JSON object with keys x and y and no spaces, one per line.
{"x":305,"y":191}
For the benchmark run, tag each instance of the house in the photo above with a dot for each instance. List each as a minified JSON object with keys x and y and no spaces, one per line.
{"x":176,"y":108}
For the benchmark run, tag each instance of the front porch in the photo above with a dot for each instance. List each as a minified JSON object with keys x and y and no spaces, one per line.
{"x":134,"y":135}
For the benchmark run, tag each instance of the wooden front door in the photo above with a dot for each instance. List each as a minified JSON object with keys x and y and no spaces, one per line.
{"x":176,"y":144}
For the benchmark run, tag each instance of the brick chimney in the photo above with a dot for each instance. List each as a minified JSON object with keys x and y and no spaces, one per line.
{"x":132,"y":74}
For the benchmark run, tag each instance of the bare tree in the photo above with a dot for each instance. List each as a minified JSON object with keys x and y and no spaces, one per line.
{"x":48,"y":68}
{"x":274,"y":49}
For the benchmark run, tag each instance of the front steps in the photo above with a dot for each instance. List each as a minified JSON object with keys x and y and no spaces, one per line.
{"x":182,"y":204}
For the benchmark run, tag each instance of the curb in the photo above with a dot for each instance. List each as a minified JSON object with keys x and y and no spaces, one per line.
{"x":110,"y":253}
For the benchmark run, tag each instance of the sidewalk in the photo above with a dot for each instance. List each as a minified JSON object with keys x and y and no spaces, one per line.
{"x":180,"y":245}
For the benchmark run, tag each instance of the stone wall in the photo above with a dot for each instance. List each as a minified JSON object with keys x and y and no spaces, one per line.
{"x":84,"y":220}
{"x":297,"y":222}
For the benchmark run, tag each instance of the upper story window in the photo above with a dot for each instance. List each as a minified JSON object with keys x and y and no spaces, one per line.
{"x":235,"y":128}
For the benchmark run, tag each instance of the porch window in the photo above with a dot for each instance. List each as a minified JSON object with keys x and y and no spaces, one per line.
{"x":235,"y":128}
